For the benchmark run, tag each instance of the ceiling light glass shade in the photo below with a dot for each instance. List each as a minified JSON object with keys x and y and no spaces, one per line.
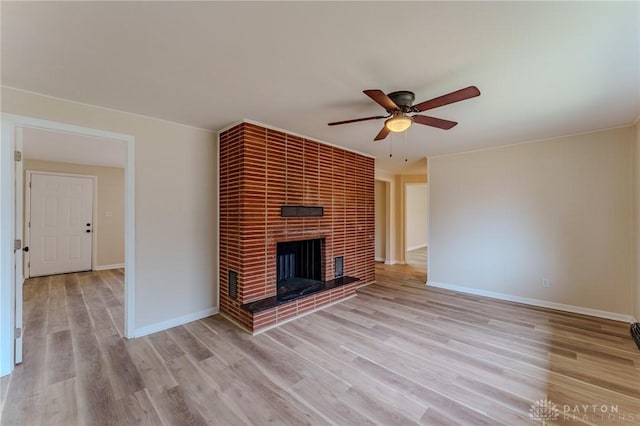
{"x":399,"y":123}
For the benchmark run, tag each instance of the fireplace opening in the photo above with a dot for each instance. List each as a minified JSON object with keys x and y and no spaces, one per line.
{"x":299,"y":268}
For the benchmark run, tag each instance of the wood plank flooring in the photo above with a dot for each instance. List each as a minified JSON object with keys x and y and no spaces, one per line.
{"x":418,"y":257}
{"x":397,"y":354}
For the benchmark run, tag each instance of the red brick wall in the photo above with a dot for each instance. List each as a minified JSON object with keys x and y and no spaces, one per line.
{"x":261,"y":170}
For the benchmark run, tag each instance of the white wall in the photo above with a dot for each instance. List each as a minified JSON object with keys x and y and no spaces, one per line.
{"x":381,"y":220}
{"x":504,"y":219}
{"x":416,"y":213}
{"x":176,"y":207}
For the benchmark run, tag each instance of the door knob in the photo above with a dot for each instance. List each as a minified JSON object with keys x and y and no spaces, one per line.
{"x":88,"y":224}
{"x":26,"y":249}
{"x":88,"y":230}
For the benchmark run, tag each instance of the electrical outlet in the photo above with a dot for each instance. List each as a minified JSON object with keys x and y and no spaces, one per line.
{"x":545,"y":283}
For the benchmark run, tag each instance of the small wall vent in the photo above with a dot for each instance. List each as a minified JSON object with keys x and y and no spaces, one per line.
{"x":339,"y":266}
{"x":635,"y":333}
{"x":233,"y":284}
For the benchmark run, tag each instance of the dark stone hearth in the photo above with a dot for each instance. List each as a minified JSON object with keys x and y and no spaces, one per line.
{"x":272,"y":302}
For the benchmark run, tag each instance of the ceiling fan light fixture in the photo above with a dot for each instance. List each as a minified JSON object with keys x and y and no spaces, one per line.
{"x":398,"y":123}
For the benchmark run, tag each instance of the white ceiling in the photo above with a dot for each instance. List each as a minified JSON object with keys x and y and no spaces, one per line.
{"x":69,"y":148}
{"x":544,"y":68}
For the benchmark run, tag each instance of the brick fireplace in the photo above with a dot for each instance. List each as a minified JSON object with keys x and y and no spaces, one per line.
{"x":328,"y":192}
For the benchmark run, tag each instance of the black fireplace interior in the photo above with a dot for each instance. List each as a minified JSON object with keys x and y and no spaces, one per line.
{"x":299,"y":274}
{"x":299,"y":266}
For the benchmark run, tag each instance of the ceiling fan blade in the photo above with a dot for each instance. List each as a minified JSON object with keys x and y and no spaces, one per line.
{"x":355,"y":120}
{"x":434,"y":122}
{"x":381,"y":99}
{"x":449,"y":98}
{"x":382,"y":134}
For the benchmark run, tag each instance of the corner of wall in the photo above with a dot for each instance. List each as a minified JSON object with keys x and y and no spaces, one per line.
{"x":636,"y":217}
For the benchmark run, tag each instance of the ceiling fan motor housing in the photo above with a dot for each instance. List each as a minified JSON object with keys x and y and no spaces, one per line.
{"x":403,"y":98}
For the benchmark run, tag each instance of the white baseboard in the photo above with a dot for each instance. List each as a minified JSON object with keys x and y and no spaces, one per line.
{"x":416,"y":247}
{"x":105,"y":267}
{"x":387,"y":261}
{"x":535,"y":302}
{"x":174,"y":322}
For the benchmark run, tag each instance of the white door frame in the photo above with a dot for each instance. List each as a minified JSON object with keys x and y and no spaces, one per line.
{"x":9,"y":212}
{"x":18,"y":276}
{"x":94,"y":216}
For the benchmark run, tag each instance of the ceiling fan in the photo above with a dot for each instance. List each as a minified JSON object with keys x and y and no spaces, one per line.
{"x":399,"y":104}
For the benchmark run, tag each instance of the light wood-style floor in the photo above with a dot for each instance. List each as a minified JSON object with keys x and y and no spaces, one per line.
{"x":397,"y":354}
{"x":417,"y":257}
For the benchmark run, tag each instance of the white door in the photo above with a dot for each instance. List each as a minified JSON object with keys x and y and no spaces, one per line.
{"x":61,"y":224}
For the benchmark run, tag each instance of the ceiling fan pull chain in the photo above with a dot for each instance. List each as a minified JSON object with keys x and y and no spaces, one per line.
{"x":406,"y":136}
{"x":390,"y":150}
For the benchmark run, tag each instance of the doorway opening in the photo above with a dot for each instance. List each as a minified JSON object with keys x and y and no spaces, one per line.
{"x":383,"y":221}
{"x":60,"y":224}
{"x":416,"y":216}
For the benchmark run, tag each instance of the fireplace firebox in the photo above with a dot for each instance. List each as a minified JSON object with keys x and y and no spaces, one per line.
{"x":299,"y":268}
